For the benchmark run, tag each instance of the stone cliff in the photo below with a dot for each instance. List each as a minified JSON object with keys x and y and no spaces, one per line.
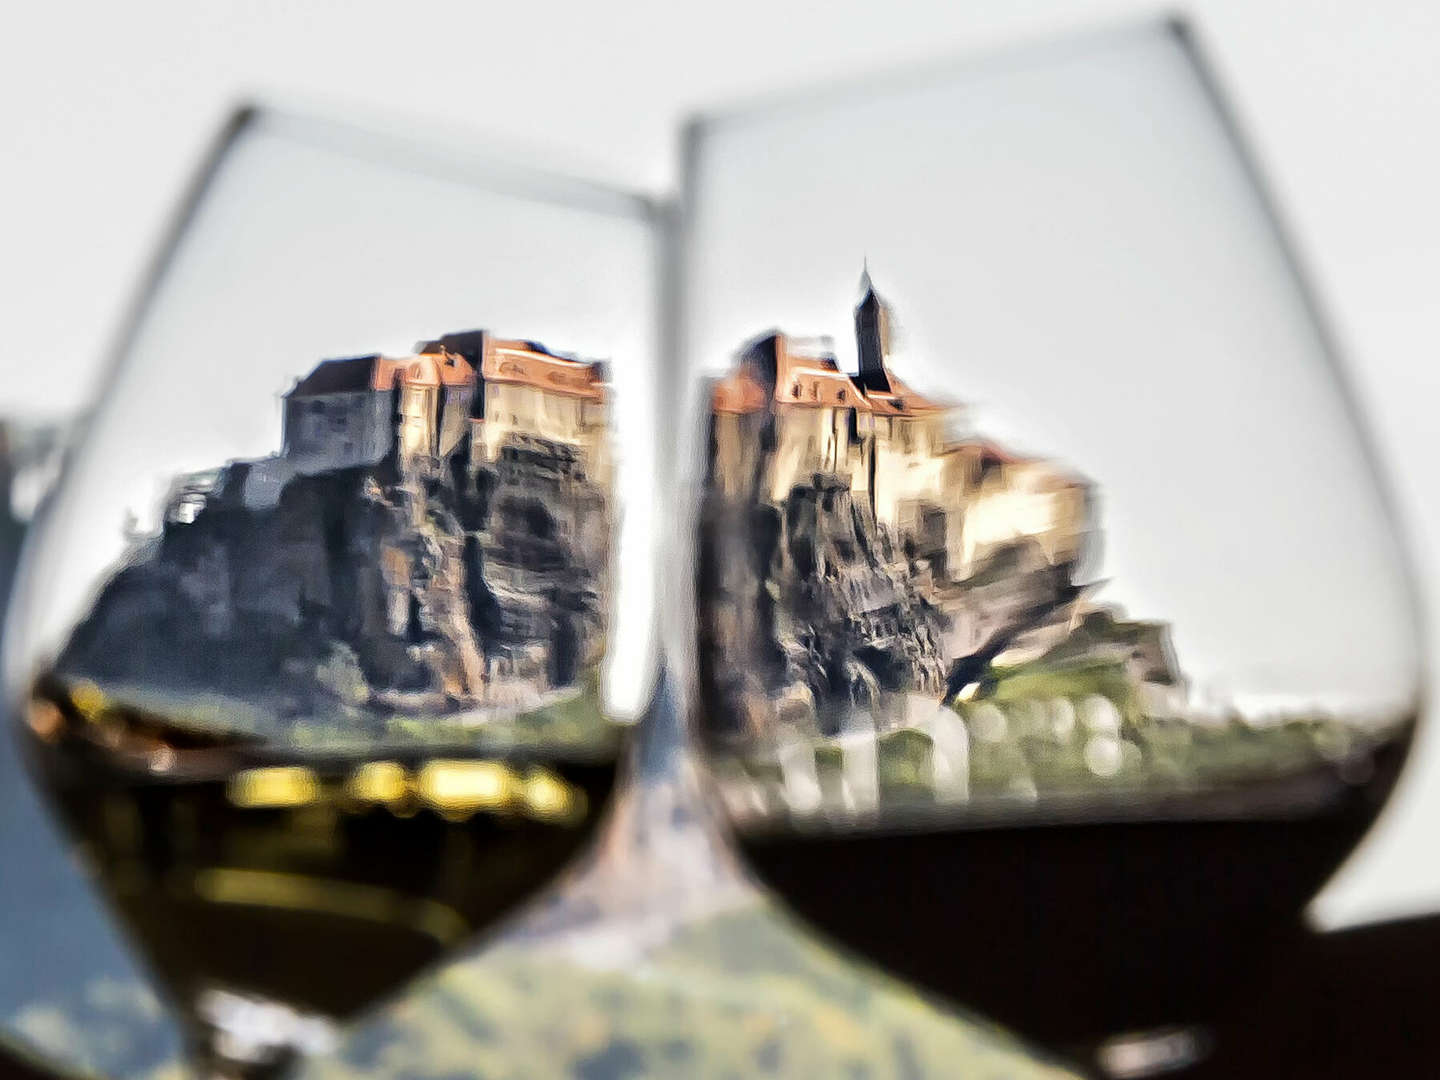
{"x":451,"y":586}
{"x":811,"y":609}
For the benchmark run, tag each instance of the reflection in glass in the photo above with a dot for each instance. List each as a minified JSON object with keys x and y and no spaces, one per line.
{"x":426,"y":560}
{"x":329,"y":655}
{"x":895,"y":615}
{"x":1053,"y":639}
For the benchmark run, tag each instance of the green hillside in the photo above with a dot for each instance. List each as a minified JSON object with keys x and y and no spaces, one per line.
{"x":737,"y":995}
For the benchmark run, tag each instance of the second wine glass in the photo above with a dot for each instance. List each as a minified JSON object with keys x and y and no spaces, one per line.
{"x":1054,"y":638}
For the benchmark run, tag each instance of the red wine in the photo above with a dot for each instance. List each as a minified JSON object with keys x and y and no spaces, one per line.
{"x":941,"y":746}
{"x":316,"y":884}
{"x":1070,"y":924}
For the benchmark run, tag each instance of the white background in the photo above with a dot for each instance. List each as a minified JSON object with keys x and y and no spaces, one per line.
{"x":105,"y":108}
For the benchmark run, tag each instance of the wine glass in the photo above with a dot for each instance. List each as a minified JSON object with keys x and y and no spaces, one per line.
{"x":1053,"y":638}
{"x":329,"y":644}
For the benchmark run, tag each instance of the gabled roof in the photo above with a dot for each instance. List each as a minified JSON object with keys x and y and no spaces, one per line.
{"x":991,"y":453}
{"x":375,"y":372}
{"x":806,"y":374}
{"x":1045,"y":471}
{"x":900,"y":400}
{"x":739,"y":392}
{"x":798,"y":372}
{"x":467,"y":343}
{"x":435,"y":369}
{"x":528,"y":364}
{"x":346,"y":375}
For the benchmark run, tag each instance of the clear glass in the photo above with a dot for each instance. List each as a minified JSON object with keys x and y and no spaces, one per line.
{"x":1052,"y":635}
{"x":328,"y":646}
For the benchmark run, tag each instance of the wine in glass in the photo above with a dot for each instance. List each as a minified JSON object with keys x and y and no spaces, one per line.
{"x":327,"y":648}
{"x":1053,"y":636}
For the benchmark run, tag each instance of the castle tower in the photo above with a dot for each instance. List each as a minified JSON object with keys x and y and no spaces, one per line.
{"x":872,"y":335}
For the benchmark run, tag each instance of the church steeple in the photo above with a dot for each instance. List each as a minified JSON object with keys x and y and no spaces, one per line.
{"x":872,"y":335}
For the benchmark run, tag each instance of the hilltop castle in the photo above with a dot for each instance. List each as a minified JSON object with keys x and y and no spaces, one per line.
{"x":445,"y":516}
{"x":468,"y":393}
{"x":853,"y":549}
{"x":787,"y":418}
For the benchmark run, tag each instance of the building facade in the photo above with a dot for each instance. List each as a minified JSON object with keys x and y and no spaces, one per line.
{"x":786,"y":417}
{"x":470,"y":394}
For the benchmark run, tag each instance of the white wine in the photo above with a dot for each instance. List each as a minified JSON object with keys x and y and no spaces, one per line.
{"x":345,"y":708}
{"x":313,"y":883}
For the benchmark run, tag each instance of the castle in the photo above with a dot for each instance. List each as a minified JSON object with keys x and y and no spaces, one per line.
{"x":469,"y":392}
{"x":445,"y":515}
{"x":787,"y":418}
{"x":856,"y":553}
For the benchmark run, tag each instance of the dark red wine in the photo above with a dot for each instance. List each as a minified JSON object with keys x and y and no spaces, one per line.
{"x":1071,"y":923}
{"x":941,"y":745}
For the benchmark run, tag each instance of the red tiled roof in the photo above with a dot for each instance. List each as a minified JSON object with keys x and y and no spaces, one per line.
{"x":738,"y":392}
{"x":376,"y":372}
{"x":520,"y":362}
{"x":433,"y":369}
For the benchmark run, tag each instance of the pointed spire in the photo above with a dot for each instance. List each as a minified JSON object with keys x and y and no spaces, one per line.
{"x":872,"y":334}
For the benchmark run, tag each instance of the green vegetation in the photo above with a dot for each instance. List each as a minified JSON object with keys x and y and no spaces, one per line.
{"x":1078,"y":727}
{"x":1075,"y":722}
{"x":737,"y":995}
{"x":1044,"y":680}
{"x":904,"y":763}
{"x":571,"y":722}
{"x":740,"y":994}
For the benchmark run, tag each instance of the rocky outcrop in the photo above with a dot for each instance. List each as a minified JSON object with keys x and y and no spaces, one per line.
{"x":806,"y":612}
{"x":433,"y":585}
{"x":834,"y":603}
{"x":810,"y":609}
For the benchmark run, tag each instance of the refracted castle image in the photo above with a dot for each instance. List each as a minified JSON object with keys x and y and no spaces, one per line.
{"x":894,"y":610}
{"x":432,"y":541}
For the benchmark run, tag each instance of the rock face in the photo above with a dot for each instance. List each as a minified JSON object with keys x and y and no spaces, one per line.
{"x":541,"y":552}
{"x":810,"y":610}
{"x":425,"y":582}
{"x":806,"y":612}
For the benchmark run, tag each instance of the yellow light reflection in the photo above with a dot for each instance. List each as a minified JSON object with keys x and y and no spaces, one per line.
{"x":549,"y":798}
{"x":378,"y":782}
{"x":466,"y":786}
{"x":89,"y":700}
{"x":274,"y":788}
{"x":297,"y":892}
